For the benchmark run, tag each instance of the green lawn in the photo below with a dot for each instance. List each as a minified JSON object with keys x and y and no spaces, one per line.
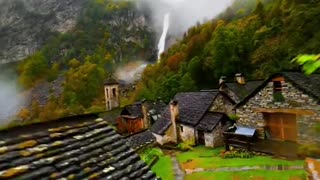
{"x":249,"y":175}
{"x":163,"y":168}
{"x":208,"y":158}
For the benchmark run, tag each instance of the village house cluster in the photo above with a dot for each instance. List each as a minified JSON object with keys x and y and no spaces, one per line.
{"x":283,"y":107}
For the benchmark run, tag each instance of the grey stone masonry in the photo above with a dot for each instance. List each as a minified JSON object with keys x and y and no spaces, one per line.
{"x":294,"y":100}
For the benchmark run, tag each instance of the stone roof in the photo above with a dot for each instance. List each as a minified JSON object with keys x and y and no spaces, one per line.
{"x":192,"y":106}
{"x":134,"y":110}
{"x":308,"y":84}
{"x":243,"y":90}
{"x":90,"y":150}
{"x":210,"y":121}
{"x":111,"y":81}
{"x":155,"y":107}
{"x":140,"y":139}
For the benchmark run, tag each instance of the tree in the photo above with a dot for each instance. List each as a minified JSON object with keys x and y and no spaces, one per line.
{"x":34,"y":69}
{"x":83,"y":84}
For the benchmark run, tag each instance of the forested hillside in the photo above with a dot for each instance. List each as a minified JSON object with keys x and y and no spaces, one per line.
{"x":76,"y":63}
{"x":255,"y":38}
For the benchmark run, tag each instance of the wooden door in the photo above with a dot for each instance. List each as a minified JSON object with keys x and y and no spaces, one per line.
{"x":281,"y":126}
{"x":201,"y":139}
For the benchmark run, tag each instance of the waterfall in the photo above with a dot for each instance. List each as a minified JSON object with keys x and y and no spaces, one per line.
{"x":162,"y":41}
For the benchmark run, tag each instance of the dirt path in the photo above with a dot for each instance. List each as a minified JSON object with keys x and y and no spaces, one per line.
{"x":232,"y":169}
{"x":178,"y":172}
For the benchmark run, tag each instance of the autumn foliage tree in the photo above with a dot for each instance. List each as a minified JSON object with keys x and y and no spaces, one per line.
{"x":255,"y":38}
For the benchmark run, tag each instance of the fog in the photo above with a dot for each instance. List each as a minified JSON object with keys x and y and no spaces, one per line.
{"x":10,"y":99}
{"x":183,"y":13}
{"x":130,"y":72}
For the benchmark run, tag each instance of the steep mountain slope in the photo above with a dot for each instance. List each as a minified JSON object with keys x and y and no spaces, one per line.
{"x":25,"y":25}
{"x":66,"y":74}
{"x":255,"y":38}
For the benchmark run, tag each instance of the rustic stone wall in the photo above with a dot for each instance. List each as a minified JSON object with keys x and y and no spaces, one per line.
{"x":188,"y":134}
{"x":214,"y":139}
{"x":222,"y":104}
{"x":163,"y":139}
{"x":294,"y":99}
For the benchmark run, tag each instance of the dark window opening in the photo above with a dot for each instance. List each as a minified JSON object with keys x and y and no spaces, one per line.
{"x":108,"y":105}
{"x":107,"y":90}
{"x":114,"y":92}
{"x":181,"y":128}
{"x":277,"y":87}
{"x":277,"y":92}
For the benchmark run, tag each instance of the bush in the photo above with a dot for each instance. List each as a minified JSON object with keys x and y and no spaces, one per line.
{"x":309,"y":150}
{"x":184,"y":146}
{"x":244,"y":154}
{"x":150,"y":153}
{"x":278,"y":97}
{"x":234,"y":117}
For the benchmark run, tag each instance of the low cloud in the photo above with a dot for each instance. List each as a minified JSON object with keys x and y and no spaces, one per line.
{"x":130,"y":72}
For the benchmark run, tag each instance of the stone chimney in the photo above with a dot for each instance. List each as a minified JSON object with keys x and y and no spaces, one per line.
{"x":174,"y":113}
{"x":240,"y":79}
{"x":222,"y":80}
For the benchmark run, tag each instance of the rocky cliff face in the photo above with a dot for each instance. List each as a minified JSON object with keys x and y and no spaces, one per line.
{"x":26,"y":24}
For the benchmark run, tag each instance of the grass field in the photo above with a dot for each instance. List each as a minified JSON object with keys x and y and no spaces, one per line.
{"x":163,"y":168}
{"x":207,"y":158}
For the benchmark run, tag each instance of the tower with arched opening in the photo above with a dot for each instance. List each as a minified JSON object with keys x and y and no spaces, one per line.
{"x":111,"y":91}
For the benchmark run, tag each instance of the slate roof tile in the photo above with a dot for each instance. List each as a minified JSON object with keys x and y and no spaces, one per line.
{"x":243,"y":90}
{"x":91,"y":150}
{"x":140,"y":139}
{"x":111,"y":81}
{"x":134,"y":110}
{"x":210,"y":120}
{"x":192,"y":106}
{"x":308,"y":84}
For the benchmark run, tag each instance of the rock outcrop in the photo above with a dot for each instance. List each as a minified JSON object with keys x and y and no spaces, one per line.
{"x":26,"y":24}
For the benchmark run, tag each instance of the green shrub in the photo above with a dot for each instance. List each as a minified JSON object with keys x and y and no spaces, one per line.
{"x":309,"y":150}
{"x":278,"y":97}
{"x":243,"y":154}
{"x":184,"y":146}
{"x":150,"y":153}
{"x":234,"y":117}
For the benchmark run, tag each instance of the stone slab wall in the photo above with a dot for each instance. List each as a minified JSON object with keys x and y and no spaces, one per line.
{"x":166,"y":138}
{"x":294,"y":99}
{"x":222,"y":104}
{"x":188,"y":134}
{"x":215,"y":138}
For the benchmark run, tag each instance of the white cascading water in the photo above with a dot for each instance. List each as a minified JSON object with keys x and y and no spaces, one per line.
{"x":162,"y":41}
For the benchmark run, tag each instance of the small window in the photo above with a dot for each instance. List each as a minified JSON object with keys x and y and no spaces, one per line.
{"x":277,"y":92}
{"x":181,"y":128}
{"x":114,"y":92}
{"x":107,"y":91}
{"x":277,"y":87}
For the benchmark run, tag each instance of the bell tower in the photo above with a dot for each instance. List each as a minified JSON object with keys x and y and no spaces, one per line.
{"x":111,"y":92}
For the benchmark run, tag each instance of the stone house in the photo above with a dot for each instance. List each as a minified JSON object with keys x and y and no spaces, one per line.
{"x":138,"y":116}
{"x":194,"y":118}
{"x":284,"y":107}
{"x":240,"y":88}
